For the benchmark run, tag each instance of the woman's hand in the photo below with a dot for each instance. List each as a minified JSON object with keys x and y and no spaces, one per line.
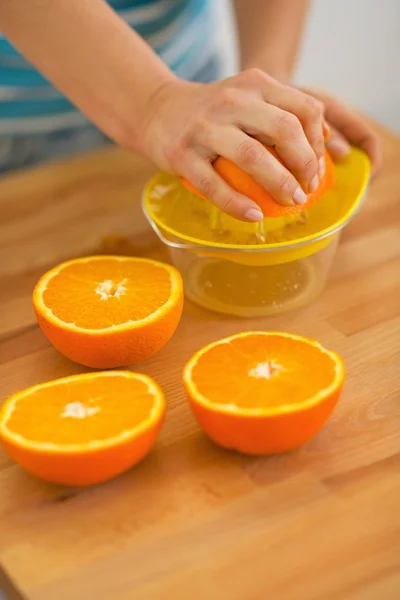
{"x":190,"y":124}
{"x":348,"y":128}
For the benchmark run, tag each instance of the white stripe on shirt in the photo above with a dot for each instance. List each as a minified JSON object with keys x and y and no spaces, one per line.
{"x":29,"y":125}
{"x":145,"y":14}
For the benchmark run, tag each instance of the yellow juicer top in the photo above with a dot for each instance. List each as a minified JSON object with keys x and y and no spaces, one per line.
{"x":185,"y":219}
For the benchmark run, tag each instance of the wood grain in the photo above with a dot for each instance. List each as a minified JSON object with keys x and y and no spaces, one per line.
{"x":194,"y":521}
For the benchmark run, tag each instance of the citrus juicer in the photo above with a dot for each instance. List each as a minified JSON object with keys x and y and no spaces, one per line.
{"x":253,"y":269}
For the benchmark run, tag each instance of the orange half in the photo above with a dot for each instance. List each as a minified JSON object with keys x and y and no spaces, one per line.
{"x":263,"y":392}
{"x":84,"y":429}
{"x":243,"y":183}
{"x":109,"y":311}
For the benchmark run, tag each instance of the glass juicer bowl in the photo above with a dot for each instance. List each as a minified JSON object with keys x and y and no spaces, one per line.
{"x":253,"y":269}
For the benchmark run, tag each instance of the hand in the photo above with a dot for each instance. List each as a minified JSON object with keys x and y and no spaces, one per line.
{"x":191,"y":124}
{"x":348,"y":128}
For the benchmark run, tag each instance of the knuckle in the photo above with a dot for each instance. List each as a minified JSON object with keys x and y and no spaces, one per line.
{"x":288,"y":126}
{"x":250,"y":153}
{"x":313,"y":108}
{"x":286,"y":183}
{"x":319,"y":145}
{"x":255,"y":76}
{"x":227,"y":204}
{"x":202,"y":127}
{"x":309,"y":165}
{"x":176,"y":151}
{"x":226,"y":99}
{"x":366,"y":138}
{"x":208,"y":186}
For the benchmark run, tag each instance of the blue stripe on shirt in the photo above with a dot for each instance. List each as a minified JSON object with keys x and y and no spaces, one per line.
{"x":35,"y":108}
{"x":152,"y":27}
{"x":21,"y":77}
{"x":179,"y":30}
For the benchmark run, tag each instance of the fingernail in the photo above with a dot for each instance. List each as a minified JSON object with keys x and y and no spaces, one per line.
{"x":314,"y":183}
{"x":339,"y":147}
{"x":321,"y":166}
{"x":299,"y":196}
{"x":252,"y":214}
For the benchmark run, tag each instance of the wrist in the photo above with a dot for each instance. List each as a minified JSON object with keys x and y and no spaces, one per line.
{"x":135,"y":111}
{"x":163,"y":119}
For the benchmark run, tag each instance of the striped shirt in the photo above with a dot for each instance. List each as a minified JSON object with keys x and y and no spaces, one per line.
{"x":180,"y":31}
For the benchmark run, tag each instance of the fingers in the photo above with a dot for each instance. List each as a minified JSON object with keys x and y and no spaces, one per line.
{"x":353,"y":128}
{"x":337,"y":145}
{"x":307,"y":109}
{"x":283,"y":130}
{"x":235,"y":118}
{"x":357,"y":131}
{"x":203,"y":177}
{"x":293,"y":148}
{"x":251,"y":156}
{"x":269,"y":124}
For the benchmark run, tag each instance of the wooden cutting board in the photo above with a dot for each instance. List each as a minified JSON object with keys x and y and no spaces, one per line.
{"x":193,"y":521}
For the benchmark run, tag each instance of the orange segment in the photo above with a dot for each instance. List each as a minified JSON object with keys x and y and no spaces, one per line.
{"x":124,"y":290}
{"x":270,"y":393}
{"x":259,"y":372}
{"x":109,"y":311}
{"x":83,"y":429}
{"x":243,"y":182}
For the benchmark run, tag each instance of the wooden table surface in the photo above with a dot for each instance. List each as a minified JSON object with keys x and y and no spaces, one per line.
{"x":194,"y":521}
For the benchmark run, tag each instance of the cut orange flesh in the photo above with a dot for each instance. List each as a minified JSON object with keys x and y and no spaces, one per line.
{"x":109,"y":311}
{"x":263,"y":392}
{"x":83,"y":429}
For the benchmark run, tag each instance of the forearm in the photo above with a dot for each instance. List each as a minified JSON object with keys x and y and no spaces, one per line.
{"x":270,"y":34}
{"x":92,"y":56}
